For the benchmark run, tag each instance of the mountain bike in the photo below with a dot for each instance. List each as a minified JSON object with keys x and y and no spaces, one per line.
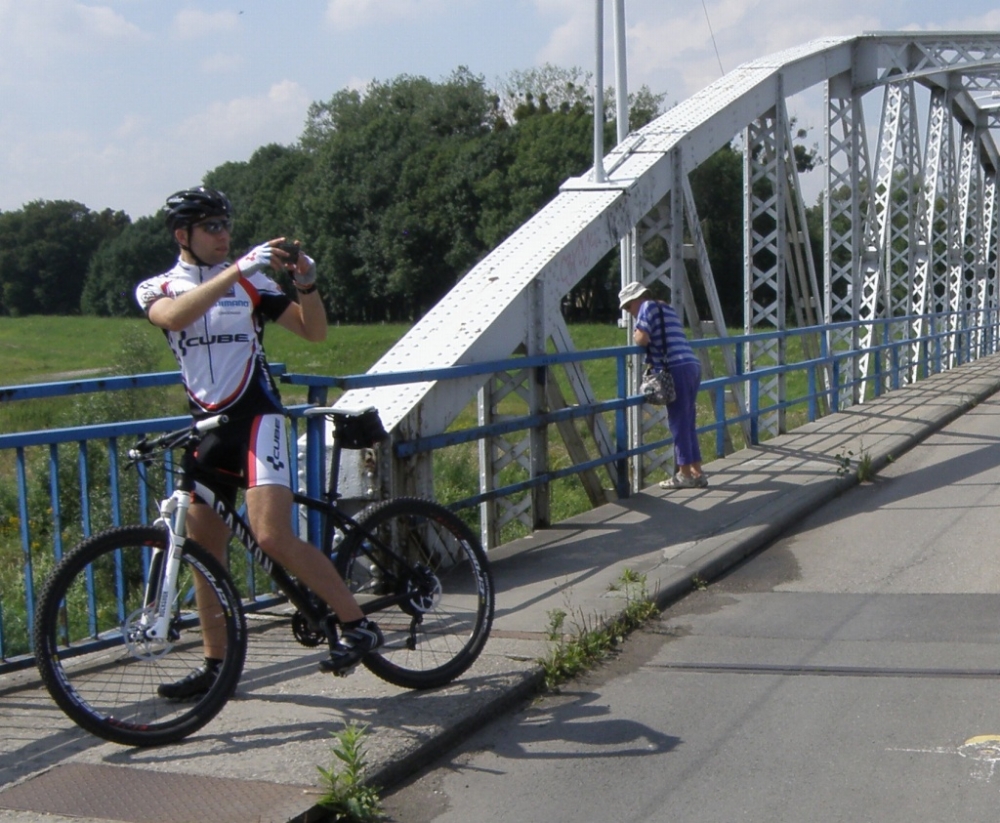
{"x":117,"y":616}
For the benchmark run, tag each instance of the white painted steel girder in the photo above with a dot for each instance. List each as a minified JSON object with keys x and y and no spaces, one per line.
{"x":888,"y":244}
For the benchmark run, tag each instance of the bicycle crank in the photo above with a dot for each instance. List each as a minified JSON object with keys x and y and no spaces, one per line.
{"x":304,"y":633}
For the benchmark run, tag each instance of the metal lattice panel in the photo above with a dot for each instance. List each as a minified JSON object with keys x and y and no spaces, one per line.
{"x":910,"y":230}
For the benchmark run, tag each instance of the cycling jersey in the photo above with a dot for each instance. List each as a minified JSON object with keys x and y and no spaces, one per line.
{"x":221,"y":355}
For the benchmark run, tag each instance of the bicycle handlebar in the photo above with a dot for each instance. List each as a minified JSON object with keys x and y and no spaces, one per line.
{"x":145,"y":447}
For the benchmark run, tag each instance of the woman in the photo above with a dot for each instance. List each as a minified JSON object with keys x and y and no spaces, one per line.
{"x":659,"y":329}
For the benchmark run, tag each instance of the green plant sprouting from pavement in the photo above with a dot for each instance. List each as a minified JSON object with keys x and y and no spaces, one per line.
{"x":866,"y":469}
{"x":592,"y":640}
{"x":346,"y":795}
{"x":843,"y":462}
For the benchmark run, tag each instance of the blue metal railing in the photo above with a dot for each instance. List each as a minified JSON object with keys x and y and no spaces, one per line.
{"x":41,"y":514}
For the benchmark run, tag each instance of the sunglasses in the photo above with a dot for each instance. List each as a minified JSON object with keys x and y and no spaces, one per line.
{"x":215,"y":226}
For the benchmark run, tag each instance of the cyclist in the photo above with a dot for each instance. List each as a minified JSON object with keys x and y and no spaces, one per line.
{"x":212,"y":313}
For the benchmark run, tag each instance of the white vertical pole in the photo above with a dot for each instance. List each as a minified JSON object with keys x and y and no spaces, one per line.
{"x":627,"y":255}
{"x":599,"y":93}
{"x":621,"y":73}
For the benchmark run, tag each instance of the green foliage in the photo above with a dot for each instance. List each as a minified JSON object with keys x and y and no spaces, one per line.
{"x":397,"y":191}
{"x":136,"y":353}
{"x":866,"y":468}
{"x":388,"y":198}
{"x":594,"y":640}
{"x":45,"y":249}
{"x":843,"y":461}
{"x":346,"y":795}
{"x":262,"y":191}
{"x":717,"y":185}
{"x":142,"y":249}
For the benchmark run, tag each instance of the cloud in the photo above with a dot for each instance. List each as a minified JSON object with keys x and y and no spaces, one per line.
{"x":137,"y":164}
{"x":223,"y":63}
{"x":191,"y":24}
{"x":352,"y":14}
{"x":39,"y":32}
{"x":677,"y":49}
{"x":990,"y":21}
{"x":234,"y":128}
{"x":131,"y":126}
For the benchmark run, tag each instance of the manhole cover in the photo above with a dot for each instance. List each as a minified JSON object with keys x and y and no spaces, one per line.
{"x":144,"y":796}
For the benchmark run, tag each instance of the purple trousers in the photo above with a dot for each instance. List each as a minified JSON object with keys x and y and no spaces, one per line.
{"x":681,"y":414}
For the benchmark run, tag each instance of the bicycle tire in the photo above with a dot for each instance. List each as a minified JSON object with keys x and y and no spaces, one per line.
{"x":105,"y":677}
{"x":437,"y":633}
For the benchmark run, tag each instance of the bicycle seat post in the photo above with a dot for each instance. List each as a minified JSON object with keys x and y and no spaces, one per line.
{"x":332,"y":486}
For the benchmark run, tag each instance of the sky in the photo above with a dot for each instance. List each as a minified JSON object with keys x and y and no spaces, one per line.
{"x":116,"y":104}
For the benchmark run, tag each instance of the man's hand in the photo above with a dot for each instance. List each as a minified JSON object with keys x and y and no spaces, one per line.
{"x":255,"y":260}
{"x":304,"y":273}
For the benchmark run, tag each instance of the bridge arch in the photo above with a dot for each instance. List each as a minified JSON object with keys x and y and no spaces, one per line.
{"x":909,"y":228}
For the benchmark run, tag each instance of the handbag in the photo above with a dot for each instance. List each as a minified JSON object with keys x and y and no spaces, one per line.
{"x":658,"y":387}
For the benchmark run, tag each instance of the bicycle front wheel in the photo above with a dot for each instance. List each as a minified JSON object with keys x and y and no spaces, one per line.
{"x":426,"y":561}
{"x":94,"y":650}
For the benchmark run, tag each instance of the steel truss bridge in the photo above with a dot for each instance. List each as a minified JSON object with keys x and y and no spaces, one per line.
{"x":909,"y":166}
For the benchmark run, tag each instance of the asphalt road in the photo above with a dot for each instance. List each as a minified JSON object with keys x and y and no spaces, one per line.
{"x":847,"y":673}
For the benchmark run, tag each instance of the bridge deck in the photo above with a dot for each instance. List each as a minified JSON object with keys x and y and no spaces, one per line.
{"x":258,"y":760}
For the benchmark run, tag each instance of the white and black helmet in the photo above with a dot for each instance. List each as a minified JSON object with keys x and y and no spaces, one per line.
{"x":184,"y":208}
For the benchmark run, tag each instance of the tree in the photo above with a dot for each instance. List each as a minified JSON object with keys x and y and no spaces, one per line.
{"x":555,"y":89}
{"x":45,"y":249}
{"x":143,"y":249}
{"x":384,"y":202}
{"x":262,"y":192}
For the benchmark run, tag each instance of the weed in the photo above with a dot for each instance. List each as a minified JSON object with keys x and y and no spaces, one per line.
{"x":866,"y":470}
{"x":843,"y":462}
{"x":346,"y":794}
{"x":699,"y":583}
{"x":593,"y":640}
{"x":557,"y":619}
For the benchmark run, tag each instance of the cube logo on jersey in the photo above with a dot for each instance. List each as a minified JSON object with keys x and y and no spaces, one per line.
{"x":186,"y":341}
{"x":275,"y":457}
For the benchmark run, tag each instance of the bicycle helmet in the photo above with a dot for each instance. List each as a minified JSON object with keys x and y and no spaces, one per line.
{"x":184,"y":208}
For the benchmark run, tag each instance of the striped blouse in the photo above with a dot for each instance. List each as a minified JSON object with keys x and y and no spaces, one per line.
{"x":655,"y":318}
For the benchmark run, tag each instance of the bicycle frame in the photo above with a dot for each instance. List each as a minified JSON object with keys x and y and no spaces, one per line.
{"x":173,"y":516}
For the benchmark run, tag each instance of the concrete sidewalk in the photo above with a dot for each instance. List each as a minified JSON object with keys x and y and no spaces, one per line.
{"x":258,"y":760}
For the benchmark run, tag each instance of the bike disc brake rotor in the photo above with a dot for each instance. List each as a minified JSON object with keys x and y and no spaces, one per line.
{"x":423,"y":592}
{"x":135,"y":633}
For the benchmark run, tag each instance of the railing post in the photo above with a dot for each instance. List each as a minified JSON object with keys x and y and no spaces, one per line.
{"x":894,"y":355}
{"x":29,"y":589}
{"x":84,"y":469}
{"x":315,"y":462}
{"x":835,"y":387}
{"x":877,"y":352}
{"x":57,"y":542}
{"x":720,"y":421}
{"x":811,"y":389}
{"x":621,"y":430}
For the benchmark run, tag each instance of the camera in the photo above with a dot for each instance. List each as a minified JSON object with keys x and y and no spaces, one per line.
{"x":292,"y":250}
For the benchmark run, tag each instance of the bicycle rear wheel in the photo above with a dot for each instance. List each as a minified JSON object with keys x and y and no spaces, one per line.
{"x":91,"y":651}
{"x":425,"y":556}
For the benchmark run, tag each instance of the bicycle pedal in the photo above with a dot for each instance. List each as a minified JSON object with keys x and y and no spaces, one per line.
{"x":327,"y":667}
